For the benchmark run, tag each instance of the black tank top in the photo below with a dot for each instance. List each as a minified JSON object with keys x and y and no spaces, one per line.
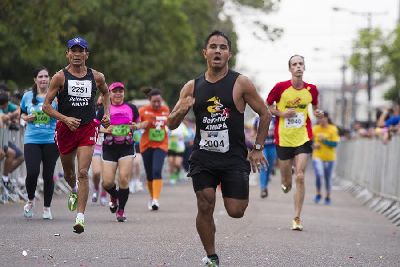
{"x":77,"y":98}
{"x":219,"y":142}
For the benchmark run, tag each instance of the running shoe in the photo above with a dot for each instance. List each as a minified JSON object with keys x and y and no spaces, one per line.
{"x":327,"y":201}
{"x":8,"y":186}
{"x":72,"y":201}
{"x":28,"y":210}
{"x":173,"y":178}
{"x":113,"y":204}
{"x":79,"y":226}
{"x":121,"y":216}
{"x":103,"y":200}
{"x":296,"y":224}
{"x":149,"y":204}
{"x":132,"y":186}
{"x":264,"y":193}
{"x":155,"y":205}
{"x":317,"y":198}
{"x":139,"y":186}
{"x":286,"y":189}
{"x":47,"y":214}
{"x":95,"y":196}
{"x":211,"y":262}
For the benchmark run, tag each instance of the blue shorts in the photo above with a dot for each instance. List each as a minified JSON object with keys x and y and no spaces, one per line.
{"x":18,"y":152}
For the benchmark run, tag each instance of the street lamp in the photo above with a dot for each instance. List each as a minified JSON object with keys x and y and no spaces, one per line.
{"x":368,"y":15}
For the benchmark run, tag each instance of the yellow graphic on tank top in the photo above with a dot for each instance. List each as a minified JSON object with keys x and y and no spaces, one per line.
{"x":216,"y":105}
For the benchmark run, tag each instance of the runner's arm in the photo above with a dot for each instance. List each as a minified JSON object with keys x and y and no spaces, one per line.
{"x":56,"y":83}
{"x":182,"y":107}
{"x":102,"y":86}
{"x":317,"y":112}
{"x":253,"y":99}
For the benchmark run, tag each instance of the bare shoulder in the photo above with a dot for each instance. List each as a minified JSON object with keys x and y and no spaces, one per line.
{"x":58,"y":78}
{"x":244,"y":83}
{"x":187,"y":89}
{"x":98,"y":76}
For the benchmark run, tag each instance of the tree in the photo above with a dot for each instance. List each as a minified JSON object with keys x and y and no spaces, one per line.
{"x":367,"y":60}
{"x":142,"y":43}
{"x":33,"y":33}
{"x":367,"y":54}
{"x":392,"y":53}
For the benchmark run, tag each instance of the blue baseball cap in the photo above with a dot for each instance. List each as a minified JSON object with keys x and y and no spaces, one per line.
{"x":79,"y":41}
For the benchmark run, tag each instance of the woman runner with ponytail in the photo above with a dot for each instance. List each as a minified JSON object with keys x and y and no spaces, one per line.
{"x":39,"y":145}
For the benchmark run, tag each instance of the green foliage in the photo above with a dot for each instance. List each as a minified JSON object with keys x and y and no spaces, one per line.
{"x":32,"y":33}
{"x":392,"y":52}
{"x":367,"y":55}
{"x":393,"y":94}
{"x":265,"y":5}
{"x":142,"y":43}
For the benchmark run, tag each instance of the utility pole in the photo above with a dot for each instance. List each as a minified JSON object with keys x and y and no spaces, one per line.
{"x":343,"y":97}
{"x":369,"y":71}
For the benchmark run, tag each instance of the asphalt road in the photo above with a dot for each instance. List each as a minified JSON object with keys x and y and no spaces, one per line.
{"x":343,"y":234}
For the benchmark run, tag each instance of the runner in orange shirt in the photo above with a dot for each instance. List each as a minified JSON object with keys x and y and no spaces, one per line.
{"x":289,"y":102}
{"x":154,"y":143}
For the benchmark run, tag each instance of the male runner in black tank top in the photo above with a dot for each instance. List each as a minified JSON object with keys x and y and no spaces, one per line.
{"x":219,"y":98}
{"x":76,"y":132}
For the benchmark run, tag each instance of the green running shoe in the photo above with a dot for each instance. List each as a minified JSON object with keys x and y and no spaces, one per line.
{"x":72,"y":201}
{"x":211,"y":262}
{"x":79,"y":226}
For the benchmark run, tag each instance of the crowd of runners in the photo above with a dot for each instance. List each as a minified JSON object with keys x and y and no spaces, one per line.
{"x":102,"y":140}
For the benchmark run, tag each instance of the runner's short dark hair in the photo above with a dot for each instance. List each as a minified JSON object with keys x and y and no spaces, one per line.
{"x":217,"y":33}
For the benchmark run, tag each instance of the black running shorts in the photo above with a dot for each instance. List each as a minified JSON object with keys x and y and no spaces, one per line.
{"x":234,"y":183}
{"x":115,"y":151}
{"x":285,"y":153}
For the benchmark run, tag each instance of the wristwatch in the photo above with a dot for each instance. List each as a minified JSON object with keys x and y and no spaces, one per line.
{"x":258,"y":147}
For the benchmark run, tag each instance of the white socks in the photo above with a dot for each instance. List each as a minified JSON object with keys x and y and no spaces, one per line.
{"x":80,"y":216}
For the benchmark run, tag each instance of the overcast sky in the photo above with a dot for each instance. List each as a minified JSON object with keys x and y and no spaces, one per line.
{"x":312,"y":29}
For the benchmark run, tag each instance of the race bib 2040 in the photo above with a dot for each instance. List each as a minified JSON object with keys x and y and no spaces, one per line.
{"x":79,"y":88}
{"x":296,"y":121}
{"x":215,"y":141}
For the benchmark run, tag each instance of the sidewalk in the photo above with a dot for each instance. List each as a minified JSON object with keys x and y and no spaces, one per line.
{"x":343,"y":234}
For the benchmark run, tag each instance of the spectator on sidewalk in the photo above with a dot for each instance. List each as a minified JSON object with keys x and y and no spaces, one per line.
{"x":389,"y":122}
{"x":14,"y":157}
